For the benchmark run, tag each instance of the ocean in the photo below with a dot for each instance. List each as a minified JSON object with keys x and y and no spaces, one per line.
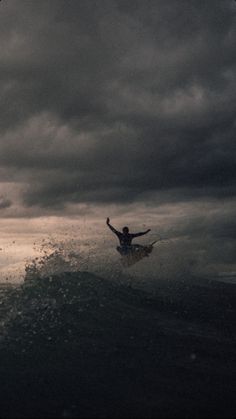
{"x":81,"y":344}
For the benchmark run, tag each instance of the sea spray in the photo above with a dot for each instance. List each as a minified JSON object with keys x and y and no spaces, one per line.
{"x":56,"y":256}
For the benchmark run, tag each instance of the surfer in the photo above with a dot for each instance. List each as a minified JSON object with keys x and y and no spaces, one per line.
{"x":125,"y":238}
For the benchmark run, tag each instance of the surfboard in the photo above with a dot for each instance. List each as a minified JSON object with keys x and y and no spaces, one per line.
{"x":135,"y":253}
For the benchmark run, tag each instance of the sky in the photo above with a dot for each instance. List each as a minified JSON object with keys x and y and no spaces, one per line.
{"x":123,"y":109}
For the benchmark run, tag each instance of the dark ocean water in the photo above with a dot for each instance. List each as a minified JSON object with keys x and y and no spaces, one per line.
{"x":78,"y":345}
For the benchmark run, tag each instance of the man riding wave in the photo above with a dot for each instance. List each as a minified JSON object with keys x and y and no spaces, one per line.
{"x":125,"y":238}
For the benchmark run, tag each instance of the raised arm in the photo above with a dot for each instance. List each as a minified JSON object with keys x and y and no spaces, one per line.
{"x":141,"y":233}
{"x":111,"y":227}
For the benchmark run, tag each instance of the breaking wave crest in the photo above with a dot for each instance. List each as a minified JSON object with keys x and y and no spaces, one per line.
{"x":55,"y":257}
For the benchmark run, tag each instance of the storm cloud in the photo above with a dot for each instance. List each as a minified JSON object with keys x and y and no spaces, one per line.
{"x":108,"y":101}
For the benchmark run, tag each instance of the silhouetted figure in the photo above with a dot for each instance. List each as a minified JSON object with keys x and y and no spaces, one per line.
{"x":126,"y":238}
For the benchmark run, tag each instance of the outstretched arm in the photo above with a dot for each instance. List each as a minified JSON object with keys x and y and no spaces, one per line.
{"x":141,"y":233}
{"x":111,"y":227}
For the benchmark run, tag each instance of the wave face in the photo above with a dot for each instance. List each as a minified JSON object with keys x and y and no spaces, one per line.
{"x":74,"y":344}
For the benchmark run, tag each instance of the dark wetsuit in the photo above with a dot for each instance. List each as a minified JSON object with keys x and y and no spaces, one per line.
{"x":126,"y":239}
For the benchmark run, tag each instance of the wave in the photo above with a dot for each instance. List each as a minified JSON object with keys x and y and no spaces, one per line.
{"x":188,"y":300}
{"x":75,"y":344}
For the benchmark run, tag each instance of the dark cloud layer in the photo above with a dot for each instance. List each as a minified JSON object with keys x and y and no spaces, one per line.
{"x":103,"y":101}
